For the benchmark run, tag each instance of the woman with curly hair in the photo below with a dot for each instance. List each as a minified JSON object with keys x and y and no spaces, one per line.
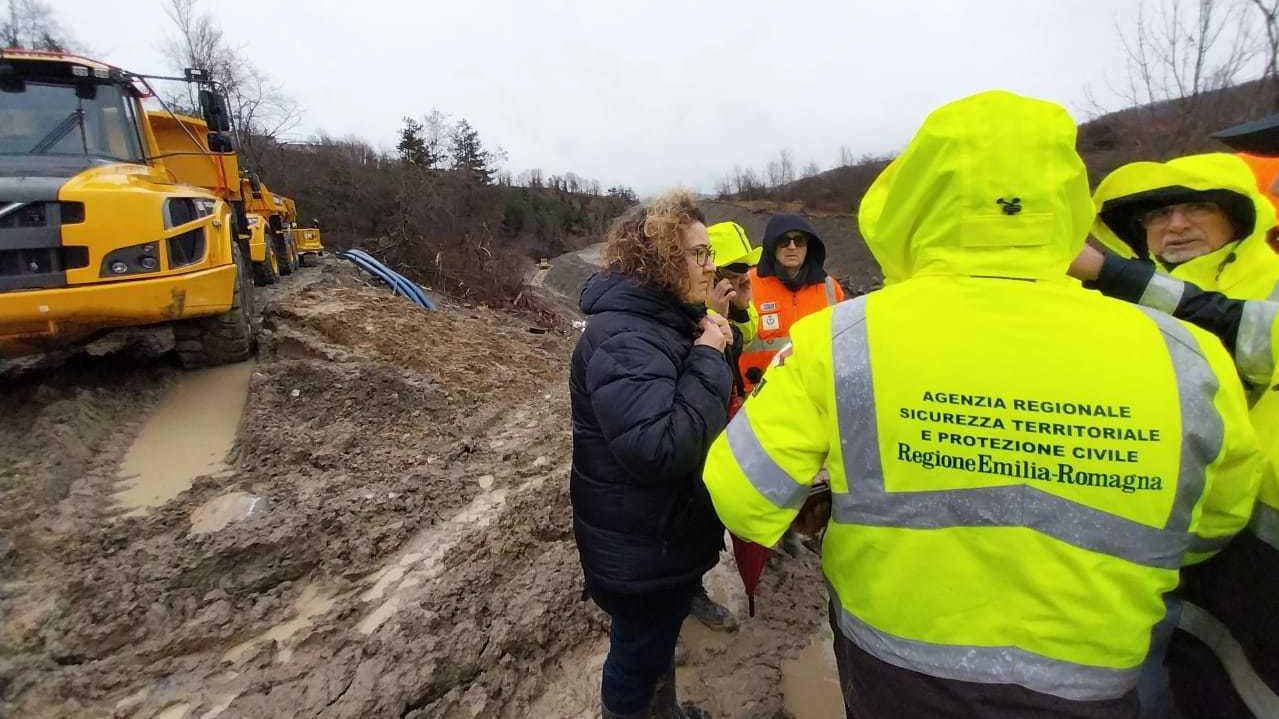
{"x":650,"y":390}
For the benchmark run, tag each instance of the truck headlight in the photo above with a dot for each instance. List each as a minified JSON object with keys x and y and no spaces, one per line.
{"x":134,"y":260}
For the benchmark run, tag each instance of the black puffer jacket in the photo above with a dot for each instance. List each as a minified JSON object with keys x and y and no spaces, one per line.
{"x":646,"y":405}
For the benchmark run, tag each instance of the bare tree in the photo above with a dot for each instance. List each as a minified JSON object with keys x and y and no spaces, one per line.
{"x":1184,"y":54}
{"x":1269,"y":10}
{"x":812,"y":169}
{"x":846,"y":157}
{"x":786,"y":163}
{"x":773,"y":171}
{"x":31,"y":25}
{"x":262,"y":111}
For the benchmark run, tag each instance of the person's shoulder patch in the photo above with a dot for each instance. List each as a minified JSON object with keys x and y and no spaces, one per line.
{"x":768,"y":307}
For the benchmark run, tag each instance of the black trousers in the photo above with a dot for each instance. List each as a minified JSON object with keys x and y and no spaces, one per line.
{"x":874,"y":689}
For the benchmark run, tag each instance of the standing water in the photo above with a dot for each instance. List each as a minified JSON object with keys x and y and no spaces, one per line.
{"x":188,"y":435}
{"x":810,"y":682}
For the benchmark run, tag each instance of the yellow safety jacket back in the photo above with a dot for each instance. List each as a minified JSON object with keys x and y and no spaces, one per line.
{"x":1011,"y":497}
{"x":1246,"y":269}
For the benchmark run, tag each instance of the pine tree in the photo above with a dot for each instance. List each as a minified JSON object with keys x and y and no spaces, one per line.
{"x":413,"y":148}
{"x":469,"y":156}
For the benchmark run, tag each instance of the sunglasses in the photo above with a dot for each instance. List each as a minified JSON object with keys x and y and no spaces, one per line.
{"x":737,"y":268}
{"x":798,"y":241}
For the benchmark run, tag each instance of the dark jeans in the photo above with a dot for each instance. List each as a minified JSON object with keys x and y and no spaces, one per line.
{"x":874,"y":689}
{"x":641,"y":643}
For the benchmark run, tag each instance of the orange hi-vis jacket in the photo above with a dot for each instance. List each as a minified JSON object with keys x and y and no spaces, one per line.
{"x":779,"y":308}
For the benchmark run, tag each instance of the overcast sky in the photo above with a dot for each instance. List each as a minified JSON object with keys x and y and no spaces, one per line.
{"x":645,"y":94}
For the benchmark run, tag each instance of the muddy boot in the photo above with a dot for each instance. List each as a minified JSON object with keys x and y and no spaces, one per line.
{"x":708,"y":612}
{"x":666,"y":702}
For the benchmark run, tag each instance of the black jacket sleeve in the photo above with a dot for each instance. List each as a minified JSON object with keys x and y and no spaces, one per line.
{"x":1128,"y":280}
{"x":659,"y":419}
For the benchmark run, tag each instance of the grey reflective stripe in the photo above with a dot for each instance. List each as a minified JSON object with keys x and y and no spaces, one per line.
{"x":1254,"y":351}
{"x":1202,"y":429}
{"x":869,"y":502}
{"x":1207,"y":545}
{"x":1163,"y":293}
{"x":765,"y":476}
{"x":759,"y":344}
{"x":1252,"y":689}
{"x":830,"y":292}
{"x":855,"y":401}
{"x":988,"y":665}
{"x":1274,"y":294}
{"x":1265,"y":524}
{"x":1015,"y":506}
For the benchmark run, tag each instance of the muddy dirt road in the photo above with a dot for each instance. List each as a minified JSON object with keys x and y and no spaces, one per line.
{"x":370,"y":520}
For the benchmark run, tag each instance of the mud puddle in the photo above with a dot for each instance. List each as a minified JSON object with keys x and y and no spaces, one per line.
{"x":810,"y":682}
{"x":188,"y":435}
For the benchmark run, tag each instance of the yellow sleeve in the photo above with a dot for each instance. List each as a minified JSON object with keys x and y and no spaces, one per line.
{"x":750,"y":327}
{"x":1232,"y":479}
{"x":761,"y":467}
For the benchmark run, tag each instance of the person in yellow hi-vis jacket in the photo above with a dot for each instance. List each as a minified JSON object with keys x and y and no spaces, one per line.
{"x":1225,"y":661}
{"x":1019,"y":467}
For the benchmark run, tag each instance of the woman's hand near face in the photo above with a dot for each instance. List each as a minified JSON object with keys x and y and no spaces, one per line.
{"x":714,"y":332}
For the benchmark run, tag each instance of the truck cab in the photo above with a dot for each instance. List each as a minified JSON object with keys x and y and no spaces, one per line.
{"x":110,"y":217}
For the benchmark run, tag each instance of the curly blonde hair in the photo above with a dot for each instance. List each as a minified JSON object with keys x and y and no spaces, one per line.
{"x":647,"y":241}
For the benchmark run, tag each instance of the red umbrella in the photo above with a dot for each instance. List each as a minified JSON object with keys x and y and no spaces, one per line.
{"x":750,"y":559}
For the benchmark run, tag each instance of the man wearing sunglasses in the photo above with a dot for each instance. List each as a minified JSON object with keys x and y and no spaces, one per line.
{"x":789,"y":284}
{"x":1199,"y":218}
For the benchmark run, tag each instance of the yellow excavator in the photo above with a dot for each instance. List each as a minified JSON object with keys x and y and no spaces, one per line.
{"x":113,"y":216}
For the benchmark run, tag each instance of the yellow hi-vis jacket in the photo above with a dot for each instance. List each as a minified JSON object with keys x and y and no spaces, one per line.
{"x":1256,"y":353}
{"x":1245,"y":269}
{"x":1018,"y":467}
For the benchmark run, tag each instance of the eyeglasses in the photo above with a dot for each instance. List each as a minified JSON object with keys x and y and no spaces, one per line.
{"x":701,"y":255}
{"x":799,"y":241}
{"x":1192,"y":211}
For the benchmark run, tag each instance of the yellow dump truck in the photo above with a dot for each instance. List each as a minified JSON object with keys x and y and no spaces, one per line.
{"x":308,"y":243}
{"x":279,"y":215}
{"x":111,"y":216}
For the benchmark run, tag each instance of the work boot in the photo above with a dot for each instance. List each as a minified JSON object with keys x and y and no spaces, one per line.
{"x":666,"y":702}
{"x":712,"y":614}
{"x":792,"y":544}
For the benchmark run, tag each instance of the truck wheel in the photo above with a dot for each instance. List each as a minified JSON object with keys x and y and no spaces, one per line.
{"x":286,"y":257}
{"x":267,"y":273}
{"x":225,"y":338}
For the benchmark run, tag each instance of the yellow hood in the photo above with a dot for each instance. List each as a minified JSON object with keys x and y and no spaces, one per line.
{"x":991,"y":185}
{"x":1246,"y":268}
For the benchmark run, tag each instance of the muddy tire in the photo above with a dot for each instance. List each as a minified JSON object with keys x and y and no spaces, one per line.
{"x":267,"y":273}
{"x":307,"y":260}
{"x":282,"y":251}
{"x":225,"y":338}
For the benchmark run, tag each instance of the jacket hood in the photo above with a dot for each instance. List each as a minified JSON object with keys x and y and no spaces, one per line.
{"x":615,"y":292}
{"x":1134,"y":189}
{"x":813,"y":272}
{"x":990,"y":185}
